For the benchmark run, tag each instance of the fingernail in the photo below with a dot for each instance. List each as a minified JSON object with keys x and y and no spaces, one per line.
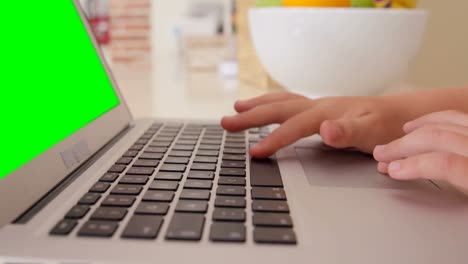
{"x":379,"y":148}
{"x":338,"y":130}
{"x":394,"y":166}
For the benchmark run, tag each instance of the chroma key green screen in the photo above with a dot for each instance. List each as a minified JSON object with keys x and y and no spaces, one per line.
{"x":52,"y":81}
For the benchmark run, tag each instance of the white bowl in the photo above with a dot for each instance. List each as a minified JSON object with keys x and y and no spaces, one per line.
{"x":337,"y":51}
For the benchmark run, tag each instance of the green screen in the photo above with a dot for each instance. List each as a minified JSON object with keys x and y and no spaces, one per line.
{"x":53,"y":82}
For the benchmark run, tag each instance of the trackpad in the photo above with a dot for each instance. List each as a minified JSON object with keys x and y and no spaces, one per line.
{"x":328,"y":167}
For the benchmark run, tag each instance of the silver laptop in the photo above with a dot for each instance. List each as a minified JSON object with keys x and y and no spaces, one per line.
{"x":104,"y":188}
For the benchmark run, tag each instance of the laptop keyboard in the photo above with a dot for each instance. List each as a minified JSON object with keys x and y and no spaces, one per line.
{"x":142,"y":186}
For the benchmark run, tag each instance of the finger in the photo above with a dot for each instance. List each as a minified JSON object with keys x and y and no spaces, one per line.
{"x":265,"y":115}
{"x":424,"y":140}
{"x":449,"y":167}
{"x":445,"y":117}
{"x":245,"y":105}
{"x":295,"y":128}
{"x":446,"y":127}
{"x":350,"y":132}
{"x":382,"y":167}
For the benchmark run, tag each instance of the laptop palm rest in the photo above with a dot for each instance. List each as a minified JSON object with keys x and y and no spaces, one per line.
{"x":326,"y":167}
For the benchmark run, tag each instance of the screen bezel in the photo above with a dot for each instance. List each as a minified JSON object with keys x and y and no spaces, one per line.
{"x":25,"y":186}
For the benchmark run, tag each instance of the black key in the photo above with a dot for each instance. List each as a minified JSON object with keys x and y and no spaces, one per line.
{"x":192,"y":206}
{"x":118,"y":200}
{"x":267,"y":193}
{"x":140,"y":171}
{"x":229,"y":214}
{"x":234,"y":157}
{"x":274,"y":235}
{"x":201,"y":175}
{"x":238,"y":181}
{"x":117,"y":168}
{"x":210,"y":142}
{"x":152,"y":208}
{"x":234,"y":151}
{"x":185,"y":227}
{"x":137,"y":147}
{"x":168,"y":133}
{"x":143,"y":227}
{"x":272,"y":219}
{"x":109,"y":213}
{"x":254,"y":130}
{"x":163,"y":139}
{"x":164,"y":185}
{"x":265,"y":172}
{"x":202,"y":159}
{"x":233,"y":164}
{"x":216,"y":137}
{"x":124,"y":161}
{"x":234,"y":145}
{"x":131,"y":153}
{"x":235,"y":135}
{"x":183,"y":147}
{"x":98,"y":229}
{"x":77,"y":212}
{"x":156,"y":150}
{"x":188,"y":137}
{"x":192,"y":194}
{"x":227,"y":232}
{"x":109,"y":177}
{"x":142,"y":141}
{"x":204,"y":166}
{"x":151,"y":156}
{"x":146,"y":163}
{"x":177,"y":160}
{"x":198,"y":184}
{"x":127,"y":189}
{"x":173,"y":167}
{"x":270,"y":206}
{"x":232,"y":172}
{"x":235,"y":140}
{"x":160,"y":144}
{"x":186,"y":142}
{"x":147,"y":136}
{"x":134,"y":179}
{"x":158,"y":196}
{"x":209,"y":153}
{"x":89,"y":198}
{"x":231,"y":190}
{"x":176,"y":153}
{"x":171,"y":176}
{"x":209,"y":147}
{"x":64,"y":227}
{"x":191,"y":132}
{"x":100,"y":187}
{"x":230,"y":201}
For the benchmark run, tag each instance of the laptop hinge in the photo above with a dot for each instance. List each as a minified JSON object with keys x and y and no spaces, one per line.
{"x":59,"y":187}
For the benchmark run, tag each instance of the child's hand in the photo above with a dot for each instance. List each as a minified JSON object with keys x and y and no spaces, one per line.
{"x":360,"y":122}
{"x":435,"y":147}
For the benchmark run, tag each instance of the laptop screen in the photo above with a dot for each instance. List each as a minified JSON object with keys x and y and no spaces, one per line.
{"x":53,"y":82}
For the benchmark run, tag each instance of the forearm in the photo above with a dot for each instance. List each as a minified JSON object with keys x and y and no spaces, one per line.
{"x":424,"y":102}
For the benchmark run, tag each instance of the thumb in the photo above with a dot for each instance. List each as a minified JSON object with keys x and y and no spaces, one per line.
{"x":346,"y":133}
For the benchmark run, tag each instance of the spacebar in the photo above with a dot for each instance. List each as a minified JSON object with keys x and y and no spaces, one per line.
{"x":265,"y":173}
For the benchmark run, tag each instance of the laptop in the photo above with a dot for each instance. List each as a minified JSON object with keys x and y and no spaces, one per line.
{"x":83,"y":182}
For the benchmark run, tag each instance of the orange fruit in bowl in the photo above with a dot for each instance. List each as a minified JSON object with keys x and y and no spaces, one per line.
{"x":317,"y":3}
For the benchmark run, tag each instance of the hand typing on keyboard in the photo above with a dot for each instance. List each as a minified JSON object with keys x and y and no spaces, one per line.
{"x":360,"y":122}
{"x":434,"y":146}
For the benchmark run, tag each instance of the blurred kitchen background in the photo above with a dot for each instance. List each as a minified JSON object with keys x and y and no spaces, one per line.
{"x":185,"y":58}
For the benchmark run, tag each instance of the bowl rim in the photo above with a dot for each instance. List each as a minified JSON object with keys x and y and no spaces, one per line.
{"x":341,"y":10}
